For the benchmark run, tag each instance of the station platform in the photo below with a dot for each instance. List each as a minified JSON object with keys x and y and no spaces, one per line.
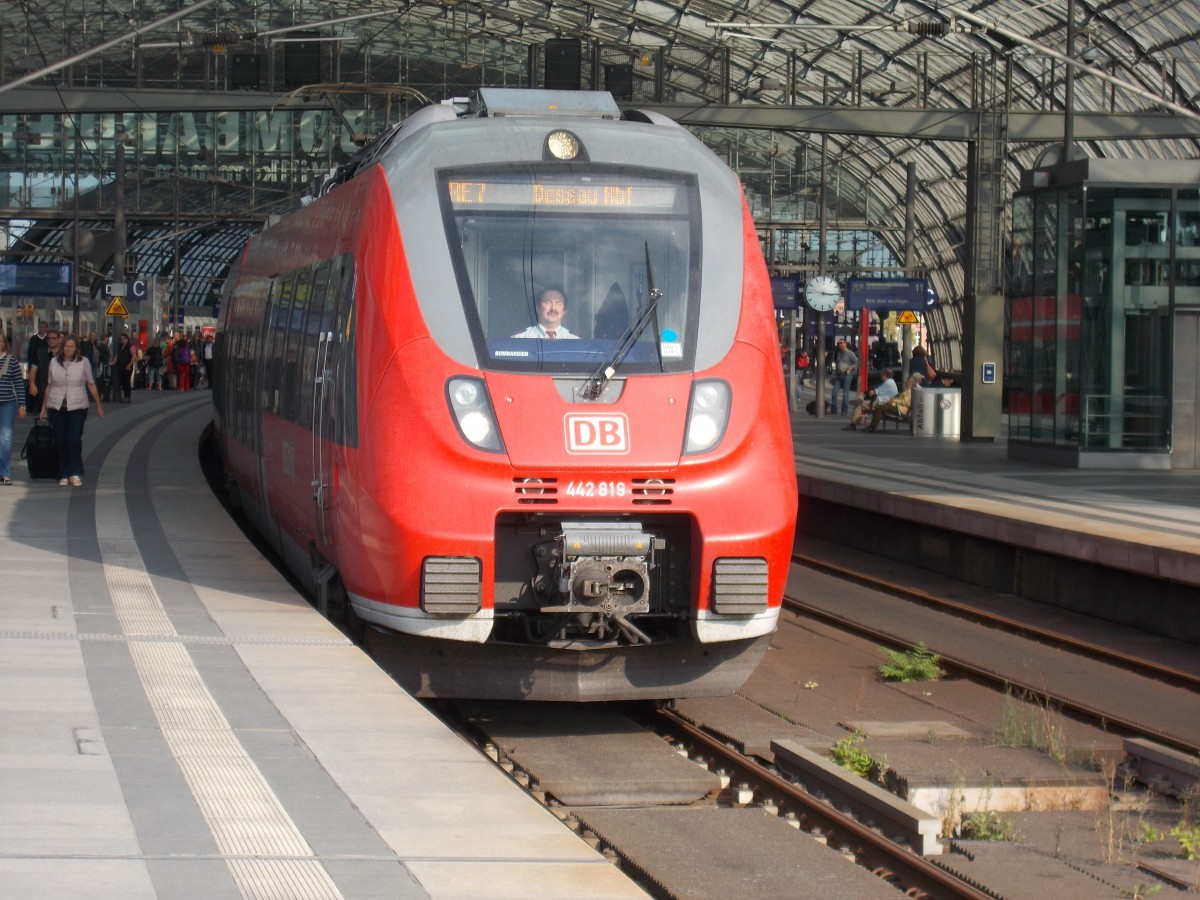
{"x":177,"y":722}
{"x":1133,"y":528}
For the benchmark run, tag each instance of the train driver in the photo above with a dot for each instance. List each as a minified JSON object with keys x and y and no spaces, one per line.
{"x":551,"y":306}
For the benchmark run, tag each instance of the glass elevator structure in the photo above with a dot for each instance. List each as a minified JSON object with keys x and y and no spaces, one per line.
{"x":1104,"y":315}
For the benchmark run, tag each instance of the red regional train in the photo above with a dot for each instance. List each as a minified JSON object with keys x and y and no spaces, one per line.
{"x":605,"y":512}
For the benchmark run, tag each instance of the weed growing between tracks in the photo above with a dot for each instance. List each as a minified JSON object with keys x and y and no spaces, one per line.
{"x":1026,"y":722}
{"x":916,"y":664}
{"x":987,"y":825}
{"x":849,"y":754}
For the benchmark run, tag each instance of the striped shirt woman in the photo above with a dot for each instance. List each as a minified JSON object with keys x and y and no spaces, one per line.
{"x":12,"y":404}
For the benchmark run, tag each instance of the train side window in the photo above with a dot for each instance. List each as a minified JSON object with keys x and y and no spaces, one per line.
{"x":289,"y":388}
{"x":345,"y":320}
{"x":227,"y":357}
{"x":247,"y":386}
{"x":331,"y":376}
{"x":312,"y":332}
{"x":231,"y":362}
{"x":275,"y":340}
{"x":242,"y":385}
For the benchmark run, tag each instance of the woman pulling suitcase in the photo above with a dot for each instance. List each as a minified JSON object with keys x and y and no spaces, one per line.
{"x":66,"y":407}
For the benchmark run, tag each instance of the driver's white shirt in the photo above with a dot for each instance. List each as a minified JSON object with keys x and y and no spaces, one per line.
{"x":538,"y":331}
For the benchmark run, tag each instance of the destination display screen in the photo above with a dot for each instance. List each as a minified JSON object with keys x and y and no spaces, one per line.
{"x":35,"y":279}
{"x":582,"y":194}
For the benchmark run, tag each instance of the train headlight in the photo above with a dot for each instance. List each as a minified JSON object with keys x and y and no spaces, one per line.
{"x":708,"y":414}
{"x":473,"y":415}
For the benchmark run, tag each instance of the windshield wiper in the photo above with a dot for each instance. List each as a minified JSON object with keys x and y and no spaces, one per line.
{"x":594,"y":386}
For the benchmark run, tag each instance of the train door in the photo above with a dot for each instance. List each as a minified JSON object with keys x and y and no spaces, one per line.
{"x":322,"y":457}
{"x":268,"y":391}
{"x":261,"y":391}
{"x":328,"y":375}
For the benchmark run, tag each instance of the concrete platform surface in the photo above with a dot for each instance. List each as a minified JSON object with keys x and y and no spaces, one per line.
{"x":176,"y":722}
{"x":1140,"y":521}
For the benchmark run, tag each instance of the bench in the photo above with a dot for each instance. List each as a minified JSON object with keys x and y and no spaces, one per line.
{"x":897,"y":419}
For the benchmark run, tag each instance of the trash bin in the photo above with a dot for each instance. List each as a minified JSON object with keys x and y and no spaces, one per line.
{"x":937,"y":412}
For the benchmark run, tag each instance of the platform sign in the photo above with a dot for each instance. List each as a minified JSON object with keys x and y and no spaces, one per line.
{"x":117,"y":308}
{"x":989,"y":373}
{"x":883,"y":295}
{"x":785,"y":291}
{"x":36,"y":279}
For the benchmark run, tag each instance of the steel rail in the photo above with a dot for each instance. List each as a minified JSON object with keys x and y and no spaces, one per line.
{"x":913,"y":870}
{"x":1166,"y":673}
{"x":1006,"y":679}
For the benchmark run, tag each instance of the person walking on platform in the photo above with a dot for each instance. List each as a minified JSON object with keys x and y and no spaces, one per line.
{"x":103,"y":372}
{"x":66,"y":407}
{"x":183,"y":364}
{"x":124,"y":364}
{"x":194,"y":344}
{"x":922,"y":364}
{"x":803,"y":362}
{"x":39,"y":367}
{"x":168,"y":351}
{"x":12,"y":404}
{"x":845,"y":367}
{"x":207,"y":357}
{"x":154,"y":361}
{"x":37,"y":353}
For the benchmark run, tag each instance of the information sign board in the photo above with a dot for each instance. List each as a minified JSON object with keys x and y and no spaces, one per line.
{"x":36,"y":279}
{"x":883,"y":295}
{"x":785,"y":291}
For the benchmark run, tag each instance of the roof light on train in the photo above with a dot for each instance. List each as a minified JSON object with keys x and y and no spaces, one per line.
{"x":473,"y":413}
{"x":562,"y":145}
{"x":708,"y":414}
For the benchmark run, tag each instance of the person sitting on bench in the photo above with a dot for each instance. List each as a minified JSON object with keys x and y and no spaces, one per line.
{"x":882,"y":394}
{"x":898,"y":405}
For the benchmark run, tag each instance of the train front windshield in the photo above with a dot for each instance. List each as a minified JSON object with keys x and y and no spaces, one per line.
{"x":560,"y":265}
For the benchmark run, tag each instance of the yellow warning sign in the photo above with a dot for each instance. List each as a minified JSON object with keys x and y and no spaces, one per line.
{"x":907,"y":317}
{"x":117,"y":308}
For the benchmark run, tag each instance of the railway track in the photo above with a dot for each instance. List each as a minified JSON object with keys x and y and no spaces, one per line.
{"x":762,"y":790}
{"x":849,"y":828}
{"x":1092,"y":709}
{"x":845,"y":829}
{"x":1151,"y":668}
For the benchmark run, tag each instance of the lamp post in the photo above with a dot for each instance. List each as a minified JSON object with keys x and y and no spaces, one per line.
{"x":78,"y":244}
{"x":115,"y":324}
{"x":75,"y":246}
{"x":1069,"y":92}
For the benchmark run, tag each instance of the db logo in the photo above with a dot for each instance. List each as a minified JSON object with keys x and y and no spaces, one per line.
{"x":597,"y":434}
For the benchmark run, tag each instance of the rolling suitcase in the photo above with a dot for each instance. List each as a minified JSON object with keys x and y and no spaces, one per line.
{"x":41,"y":452}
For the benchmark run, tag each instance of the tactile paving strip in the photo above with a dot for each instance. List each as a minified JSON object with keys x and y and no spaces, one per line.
{"x":265,"y":852}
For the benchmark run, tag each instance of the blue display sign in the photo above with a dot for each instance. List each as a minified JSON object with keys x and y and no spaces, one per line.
{"x":785,"y":290}
{"x":35,"y":279}
{"x":887,"y":294}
